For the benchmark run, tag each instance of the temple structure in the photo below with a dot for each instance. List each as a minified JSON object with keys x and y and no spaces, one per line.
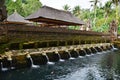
{"x":49,"y":43}
{"x":54,"y":16}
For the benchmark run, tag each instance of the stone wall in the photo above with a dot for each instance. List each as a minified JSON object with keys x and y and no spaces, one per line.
{"x":27,"y":34}
{"x":36,"y":57}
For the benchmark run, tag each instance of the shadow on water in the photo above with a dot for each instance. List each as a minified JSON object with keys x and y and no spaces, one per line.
{"x":104,"y":66}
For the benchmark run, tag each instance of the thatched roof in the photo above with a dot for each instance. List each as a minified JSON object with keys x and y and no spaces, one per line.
{"x":16,"y":18}
{"x":54,"y":16}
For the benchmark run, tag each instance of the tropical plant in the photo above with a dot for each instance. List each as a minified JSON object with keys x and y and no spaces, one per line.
{"x":100,"y":15}
{"x":66,"y":7}
{"x":23,"y":7}
{"x":31,"y":6}
{"x":116,"y":3}
{"x":76,"y":10}
{"x":107,"y":9}
{"x":94,"y":4}
{"x":14,"y":6}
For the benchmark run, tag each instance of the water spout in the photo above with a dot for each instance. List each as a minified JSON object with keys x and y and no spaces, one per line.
{"x":96,"y":50}
{"x":70,"y":55}
{"x":51,"y":63}
{"x":113,"y":48}
{"x":90,"y":51}
{"x":77,"y":52}
{"x":32,"y":63}
{"x":11,"y":67}
{"x":2,"y":68}
{"x":101,"y":49}
{"x":85,"y":52}
{"x":61,"y":60}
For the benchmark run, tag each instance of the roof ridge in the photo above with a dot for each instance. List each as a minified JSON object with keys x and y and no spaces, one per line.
{"x":55,"y":9}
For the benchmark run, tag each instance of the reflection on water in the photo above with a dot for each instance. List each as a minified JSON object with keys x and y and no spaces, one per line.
{"x":104,"y":66}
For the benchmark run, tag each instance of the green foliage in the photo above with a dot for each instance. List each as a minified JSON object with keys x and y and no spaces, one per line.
{"x":100,"y":15}
{"x":3,"y":47}
{"x":66,"y":7}
{"x":31,"y":6}
{"x":23,"y":7}
{"x":12,"y":6}
{"x":74,"y":27}
{"x":76,"y":10}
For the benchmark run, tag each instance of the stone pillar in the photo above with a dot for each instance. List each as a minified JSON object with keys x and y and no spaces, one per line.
{"x":88,"y":26}
{"x":113,"y":31}
{"x":81,"y":28}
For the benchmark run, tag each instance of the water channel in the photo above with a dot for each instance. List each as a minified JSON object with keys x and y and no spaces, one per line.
{"x":102,"y":66}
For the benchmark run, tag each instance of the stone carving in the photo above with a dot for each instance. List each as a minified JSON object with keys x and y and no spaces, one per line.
{"x":88,"y":26}
{"x":113,"y":30}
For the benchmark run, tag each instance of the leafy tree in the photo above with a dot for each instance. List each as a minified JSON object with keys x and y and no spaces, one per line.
{"x":24,"y":1}
{"x":107,"y":9}
{"x":30,"y":6}
{"x":7,"y":1}
{"x":117,"y":3}
{"x":12,"y":6}
{"x":86,"y":14}
{"x":66,"y":7}
{"x":23,"y":7}
{"x":95,"y":2}
{"x":76,"y":10}
{"x":100,"y":15}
